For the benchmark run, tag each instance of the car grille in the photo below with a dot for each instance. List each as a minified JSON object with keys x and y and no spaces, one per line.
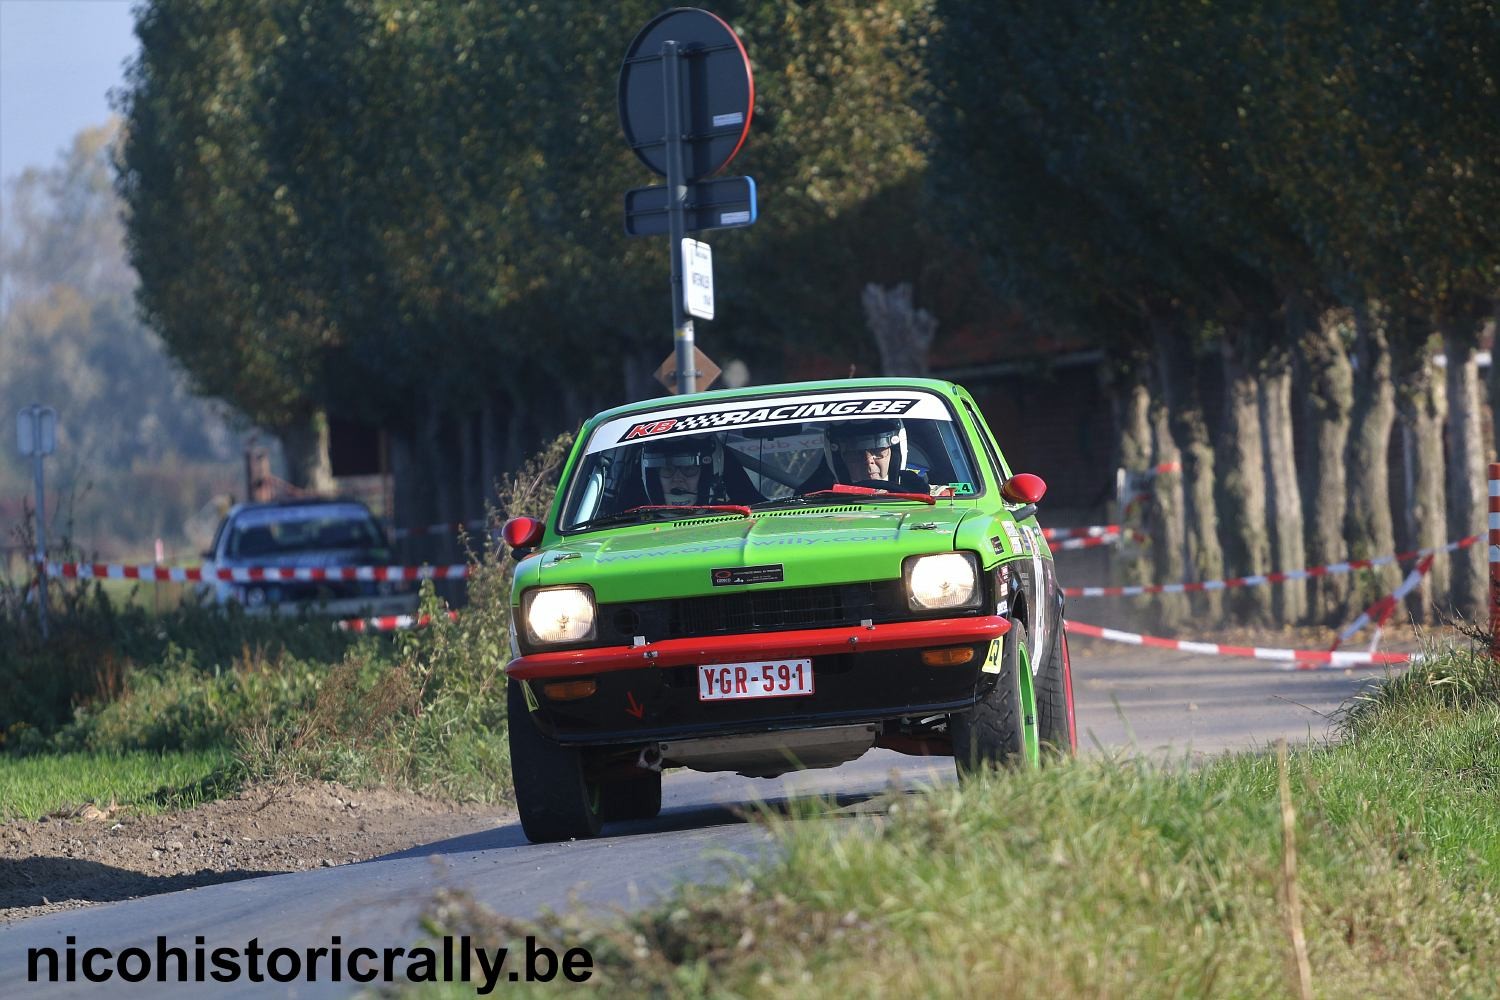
{"x":752,"y":611}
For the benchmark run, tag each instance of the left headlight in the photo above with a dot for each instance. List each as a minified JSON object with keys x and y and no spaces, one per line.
{"x":946,"y":580}
{"x":559,"y":614}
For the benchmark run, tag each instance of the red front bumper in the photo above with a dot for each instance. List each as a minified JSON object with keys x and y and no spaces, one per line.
{"x":759,"y":646}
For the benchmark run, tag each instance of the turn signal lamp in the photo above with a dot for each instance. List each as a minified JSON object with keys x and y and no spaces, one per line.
{"x":569,"y":690}
{"x":955,"y":656}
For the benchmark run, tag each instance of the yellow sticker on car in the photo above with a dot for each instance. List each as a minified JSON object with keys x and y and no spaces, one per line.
{"x":992,"y":659}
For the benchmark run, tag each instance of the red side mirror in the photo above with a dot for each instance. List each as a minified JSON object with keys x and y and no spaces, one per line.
{"x":522,"y":532}
{"x":1023,"y":488}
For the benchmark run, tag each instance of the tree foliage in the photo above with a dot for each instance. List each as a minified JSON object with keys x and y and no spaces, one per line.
{"x":373,"y":195}
{"x":1225,"y":154}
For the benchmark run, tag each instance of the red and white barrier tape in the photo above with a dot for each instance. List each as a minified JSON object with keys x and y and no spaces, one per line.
{"x":389,"y":623}
{"x":1266,"y":578}
{"x":1294,"y":659}
{"x":1092,"y":531}
{"x":1381,"y":610}
{"x":1093,"y":541}
{"x":1070,"y":544}
{"x":254,"y":574}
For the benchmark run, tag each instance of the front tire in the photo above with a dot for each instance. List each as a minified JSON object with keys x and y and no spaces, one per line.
{"x":554,"y":795}
{"x":994,"y":731}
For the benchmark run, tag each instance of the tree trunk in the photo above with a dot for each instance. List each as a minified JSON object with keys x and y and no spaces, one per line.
{"x":902,"y":332}
{"x":1133,"y":420}
{"x":1494,"y":382}
{"x":1288,"y":546}
{"x":405,"y":476}
{"x":1169,"y":536}
{"x":489,"y":452}
{"x":1419,"y":397}
{"x":1368,"y":529}
{"x":1468,"y":490}
{"x":471,"y":494}
{"x":305,"y":446}
{"x":1242,"y":497}
{"x":1324,"y":389}
{"x":1179,"y":373}
{"x":438,"y":465}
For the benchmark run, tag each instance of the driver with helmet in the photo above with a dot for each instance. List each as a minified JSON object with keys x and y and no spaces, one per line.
{"x":863,"y":450}
{"x":683,"y":471}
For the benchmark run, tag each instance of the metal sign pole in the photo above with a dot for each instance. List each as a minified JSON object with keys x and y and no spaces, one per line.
{"x":41,"y":540}
{"x":682,"y":326}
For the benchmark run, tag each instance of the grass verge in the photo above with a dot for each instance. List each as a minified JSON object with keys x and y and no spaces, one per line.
{"x":285,"y":699}
{"x":148,"y":782}
{"x":1118,"y":878}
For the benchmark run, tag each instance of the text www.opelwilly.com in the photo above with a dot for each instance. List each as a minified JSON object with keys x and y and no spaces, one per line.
{"x":450,"y":960}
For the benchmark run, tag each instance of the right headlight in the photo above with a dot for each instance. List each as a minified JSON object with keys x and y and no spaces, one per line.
{"x":945,"y":580}
{"x":556,"y":615}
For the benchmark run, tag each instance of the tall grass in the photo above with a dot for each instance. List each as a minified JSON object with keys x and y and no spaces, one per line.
{"x":98,"y":651}
{"x":1120,"y":878}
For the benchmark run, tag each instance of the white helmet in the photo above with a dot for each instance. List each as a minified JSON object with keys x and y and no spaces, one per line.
{"x":866,"y":435}
{"x":702,"y":452}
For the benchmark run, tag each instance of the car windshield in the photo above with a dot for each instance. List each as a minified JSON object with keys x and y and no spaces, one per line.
{"x":275,"y":531}
{"x":766,"y":451}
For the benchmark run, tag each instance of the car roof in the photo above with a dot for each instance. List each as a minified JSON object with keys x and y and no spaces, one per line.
{"x":939,"y":386}
{"x":241,"y":508}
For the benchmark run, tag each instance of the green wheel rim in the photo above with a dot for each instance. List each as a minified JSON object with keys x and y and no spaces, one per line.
{"x":1031,"y":727}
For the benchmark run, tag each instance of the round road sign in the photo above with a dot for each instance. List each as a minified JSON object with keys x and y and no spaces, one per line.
{"x":718,"y":92}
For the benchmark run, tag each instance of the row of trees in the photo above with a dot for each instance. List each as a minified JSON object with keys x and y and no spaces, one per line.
{"x":408,"y":213}
{"x":1287,"y":209}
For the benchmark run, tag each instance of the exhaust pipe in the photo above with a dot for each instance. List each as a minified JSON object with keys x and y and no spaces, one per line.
{"x":650,"y":758}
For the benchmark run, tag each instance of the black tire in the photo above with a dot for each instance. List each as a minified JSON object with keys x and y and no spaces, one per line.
{"x":993,"y":732}
{"x":1056,"y":727}
{"x":632,"y":798}
{"x":556,"y":799}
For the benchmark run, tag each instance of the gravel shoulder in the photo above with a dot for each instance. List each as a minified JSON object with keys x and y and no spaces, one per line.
{"x":100,"y":855}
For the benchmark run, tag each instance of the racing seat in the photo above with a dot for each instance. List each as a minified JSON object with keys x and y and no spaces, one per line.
{"x":738,"y":487}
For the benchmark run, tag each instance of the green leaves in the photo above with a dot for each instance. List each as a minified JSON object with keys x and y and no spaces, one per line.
{"x":1207,"y":157}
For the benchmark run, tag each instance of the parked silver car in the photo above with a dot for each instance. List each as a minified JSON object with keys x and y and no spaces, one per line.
{"x":300,"y":534}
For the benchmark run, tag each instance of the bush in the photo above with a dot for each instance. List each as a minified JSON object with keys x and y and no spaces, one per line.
{"x":97,"y":651}
{"x":295,"y":699}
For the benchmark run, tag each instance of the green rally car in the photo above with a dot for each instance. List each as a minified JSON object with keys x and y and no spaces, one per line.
{"x":763,"y":579}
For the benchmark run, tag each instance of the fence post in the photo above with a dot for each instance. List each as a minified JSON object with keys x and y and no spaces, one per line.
{"x":1494,"y":525}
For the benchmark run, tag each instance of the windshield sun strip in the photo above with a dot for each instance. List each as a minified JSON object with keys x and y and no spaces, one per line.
{"x":961,"y":433}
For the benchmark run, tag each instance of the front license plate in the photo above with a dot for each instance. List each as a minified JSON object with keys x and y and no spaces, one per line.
{"x":733,"y":681}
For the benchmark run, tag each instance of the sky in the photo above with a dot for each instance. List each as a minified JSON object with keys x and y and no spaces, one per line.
{"x":58,"y":61}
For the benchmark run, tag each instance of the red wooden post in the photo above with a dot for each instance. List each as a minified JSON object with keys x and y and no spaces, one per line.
{"x":1495,"y":560}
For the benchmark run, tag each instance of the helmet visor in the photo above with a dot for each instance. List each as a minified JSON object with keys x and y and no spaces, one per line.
{"x":873,"y":439}
{"x":656,"y":459}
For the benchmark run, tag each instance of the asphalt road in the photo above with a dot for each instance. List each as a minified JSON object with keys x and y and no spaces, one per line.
{"x":1173,"y":706}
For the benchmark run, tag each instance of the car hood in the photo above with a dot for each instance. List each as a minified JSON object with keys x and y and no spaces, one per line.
{"x":684,"y":558}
